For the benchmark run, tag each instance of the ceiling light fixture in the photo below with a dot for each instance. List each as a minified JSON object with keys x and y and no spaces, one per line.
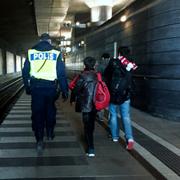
{"x":95,"y":3}
{"x":123,"y":18}
{"x":101,"y":10}
{"x":77,"y":23}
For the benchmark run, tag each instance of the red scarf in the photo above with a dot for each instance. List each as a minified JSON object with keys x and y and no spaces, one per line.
{"x":126,"y":62}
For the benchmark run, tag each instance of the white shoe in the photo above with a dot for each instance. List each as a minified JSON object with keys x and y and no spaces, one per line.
{"x":115,"y":140}
{"x":90,"y":154}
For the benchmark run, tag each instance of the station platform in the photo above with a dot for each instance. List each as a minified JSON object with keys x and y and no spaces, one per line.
{"x":156,"y":154}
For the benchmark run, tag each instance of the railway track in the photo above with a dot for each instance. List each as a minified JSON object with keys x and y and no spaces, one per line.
{"x":9,"y":92}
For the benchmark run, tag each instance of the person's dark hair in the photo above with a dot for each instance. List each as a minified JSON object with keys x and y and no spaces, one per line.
{"x":44,"y":37}
{"x":124,"y":51}
{"x":105,"y":56}
{"x":89,"y":63}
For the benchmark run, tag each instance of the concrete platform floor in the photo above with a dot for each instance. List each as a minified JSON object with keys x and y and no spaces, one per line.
{"x":63,"y":158}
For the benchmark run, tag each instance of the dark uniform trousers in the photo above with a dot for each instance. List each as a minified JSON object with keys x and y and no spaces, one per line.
{"x":43,"y":94}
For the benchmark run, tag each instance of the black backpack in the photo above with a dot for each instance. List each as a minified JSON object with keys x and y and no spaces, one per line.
{"x":120,"y":83}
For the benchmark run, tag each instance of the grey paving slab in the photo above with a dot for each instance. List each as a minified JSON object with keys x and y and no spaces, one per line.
{"x":25,"y":115}
{"x":28,"y":120}
{"x":64,"y":172}
{"x":28,"y":145}
{"x":64,"y":157}
{"x":44,"y":172}
{"x":15,"y":125}
{"x":43,"y":161}
{"x":28,"y":129}
{"x":20,"y":134}
{"x":32,"y":139}
{"x":21,"y":108}
{"x":60,"y":178}
{"x":160,"y":140}
{"x":26,"y":110}
{"x":11,"y":153}
{"x":14,"y":116}
{"x":23,"y":103}
{"x":13,"y":121}
{"x":111,"y":160}
{"x":166,"y":129}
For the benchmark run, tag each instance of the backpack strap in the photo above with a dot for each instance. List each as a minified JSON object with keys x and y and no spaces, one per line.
{"x":73,"y":82}
{"x":99,"y":77}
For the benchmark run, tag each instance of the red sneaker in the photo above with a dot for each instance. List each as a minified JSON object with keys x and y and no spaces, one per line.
{"x":130,"y":144}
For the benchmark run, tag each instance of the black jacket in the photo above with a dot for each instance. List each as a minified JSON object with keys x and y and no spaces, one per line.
{"x":83,"y":92}
{"x":118,"y":80}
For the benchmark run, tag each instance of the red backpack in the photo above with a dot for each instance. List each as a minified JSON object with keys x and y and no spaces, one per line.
{"x":101,"y":94}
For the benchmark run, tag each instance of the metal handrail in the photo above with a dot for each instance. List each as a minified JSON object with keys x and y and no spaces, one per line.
{"x":145,"y":77}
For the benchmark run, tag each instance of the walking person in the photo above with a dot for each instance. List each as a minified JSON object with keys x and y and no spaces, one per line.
{"x":118,"y":78}
{"x":102,"y":64}
{"x":100,"y":68}
{"x":82,"y":94}
{"x":43,"y":71}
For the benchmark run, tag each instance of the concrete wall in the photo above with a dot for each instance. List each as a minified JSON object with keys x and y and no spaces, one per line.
{"x":10,"y":62}
{"x":153,"y":34}
{"x":18,"y":63}
{"x":23,"y":60}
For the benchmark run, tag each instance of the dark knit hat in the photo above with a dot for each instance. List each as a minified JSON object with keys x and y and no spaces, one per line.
{"x":105,"y":55}
{"x":44,"y":37}
{"x":124,"y":51}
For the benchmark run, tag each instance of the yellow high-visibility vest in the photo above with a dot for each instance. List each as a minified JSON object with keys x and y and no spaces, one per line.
{"x":37,"y":58}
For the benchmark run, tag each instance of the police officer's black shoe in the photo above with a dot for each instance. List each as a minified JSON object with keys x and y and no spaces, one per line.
{"x":51,"y":137}
{"x":50,"y":134}
{"x":40,"y":147}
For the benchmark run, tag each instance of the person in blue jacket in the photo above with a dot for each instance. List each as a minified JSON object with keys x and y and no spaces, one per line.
{"x":43,"y":73}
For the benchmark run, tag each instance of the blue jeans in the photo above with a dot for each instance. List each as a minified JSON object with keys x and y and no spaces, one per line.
{"x":124,"y":110}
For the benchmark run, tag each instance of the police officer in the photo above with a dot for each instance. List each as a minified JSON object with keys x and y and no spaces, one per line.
{"x":43,"y":71}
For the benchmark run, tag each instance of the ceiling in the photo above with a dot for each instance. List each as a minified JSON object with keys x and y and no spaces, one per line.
{"x":22,"y":21}
{"x":17,"y":24}
{"x":51,"y":15}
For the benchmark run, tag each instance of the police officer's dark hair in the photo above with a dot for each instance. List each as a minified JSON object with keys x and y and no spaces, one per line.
{"x":124,"y":51}
{"x":89,"y":63}
{"x":105,"y":56}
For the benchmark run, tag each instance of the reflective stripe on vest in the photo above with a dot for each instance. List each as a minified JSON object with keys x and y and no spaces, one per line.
{"x":37,"y":59}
